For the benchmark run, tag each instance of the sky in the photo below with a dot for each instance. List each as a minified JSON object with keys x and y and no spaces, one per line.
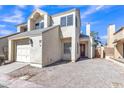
{"x":99,"y":16}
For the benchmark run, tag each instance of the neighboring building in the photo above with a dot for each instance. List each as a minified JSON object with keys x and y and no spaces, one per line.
{"x":4,"y":45}
{"x":115,"y":42}
{"x":45,"y":39}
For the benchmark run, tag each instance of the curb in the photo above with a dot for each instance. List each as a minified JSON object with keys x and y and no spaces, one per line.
{"x":115,"y":61}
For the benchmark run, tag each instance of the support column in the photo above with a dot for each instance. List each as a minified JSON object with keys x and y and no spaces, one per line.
{"x":73,"y":50}
{"x":46,"y":21}
{"x":30,"y":25}
{"x":90,"y":48}
{"x":102,"y":53}
{"x":10,"y":50}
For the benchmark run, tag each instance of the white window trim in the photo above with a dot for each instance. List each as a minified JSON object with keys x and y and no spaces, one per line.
{"x":39,"y":23}
{"x":67,"y":19}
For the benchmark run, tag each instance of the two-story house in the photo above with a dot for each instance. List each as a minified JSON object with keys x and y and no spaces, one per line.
{"x":45,"y":39}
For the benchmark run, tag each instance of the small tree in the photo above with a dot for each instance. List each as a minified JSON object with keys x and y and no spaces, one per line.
{"x":96,"y":38}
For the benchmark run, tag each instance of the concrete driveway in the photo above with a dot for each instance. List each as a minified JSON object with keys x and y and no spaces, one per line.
{"x":93,"y":73}
{"x":11,"y":67}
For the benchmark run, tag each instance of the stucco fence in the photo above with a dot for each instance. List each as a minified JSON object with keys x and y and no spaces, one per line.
{"x":104,"y":52}
{"x":109,"y":52}
{"x":99,"y":52}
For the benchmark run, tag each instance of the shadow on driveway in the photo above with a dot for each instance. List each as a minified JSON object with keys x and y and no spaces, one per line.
{"x":58,"y":63}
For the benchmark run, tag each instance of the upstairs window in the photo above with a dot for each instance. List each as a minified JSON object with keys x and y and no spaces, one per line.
{"x":76,"y":21}
{"x":37,"y":26}
{"x":66,"y":20}
{"x":70,"y":20}
{"x":63,"y":21}
{"x":42,"y":25}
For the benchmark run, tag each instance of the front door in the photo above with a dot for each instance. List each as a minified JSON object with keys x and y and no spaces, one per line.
{"x":82,"y":50}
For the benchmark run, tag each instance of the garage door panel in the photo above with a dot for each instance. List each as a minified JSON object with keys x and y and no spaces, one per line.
{"x":23,"y":51}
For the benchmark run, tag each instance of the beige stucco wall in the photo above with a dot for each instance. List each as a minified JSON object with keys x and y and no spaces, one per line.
{"x":78,"y":29}
{"x":51,"y":46}
{"x":118,"y":50}
{"x":70,"y":32}
{"x":67,"y":30}
{"x":36,"y":50}
{"x":3,"y":45}
{"x":118,"y":36}
{"x":90,"y":48}
{"x":115,"y":40}
{"x":110,"y":35}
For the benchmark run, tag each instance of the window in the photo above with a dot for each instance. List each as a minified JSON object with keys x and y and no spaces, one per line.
{"x":76,"y":23}
{"x":67,"y":20}
{"x":51,"y":23}
{"x":67,"y":48}
{"x":37,"y":26}
{"x":77,"y":48}
{"x":70,"y":20}
{"x":63,"y":21}
{"x":42,"y":25}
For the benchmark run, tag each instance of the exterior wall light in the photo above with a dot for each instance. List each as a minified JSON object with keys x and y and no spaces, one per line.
{"x":40,"y":42}
{"x":31,"y":42}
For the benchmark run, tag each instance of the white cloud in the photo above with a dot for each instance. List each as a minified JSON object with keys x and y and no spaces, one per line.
{"x":16,"y":17}
{"x":93,"y":9}
{"x":2,"y":26}
{"x":37,"y":6}
{"x":69,"y":6}
{"x":104,"y":37}
{"x":99,"y":7}
{"x":22,"y":6}
{"x":5,"y":32}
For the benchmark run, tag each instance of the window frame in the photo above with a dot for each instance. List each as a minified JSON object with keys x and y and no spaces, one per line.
{"x":66,"y":21}
{"x":70,"y":16}
{"x":61,"y":21}
{"x":37,"y":27}
{"x":67,"y":48}
{"x":41,"y":25}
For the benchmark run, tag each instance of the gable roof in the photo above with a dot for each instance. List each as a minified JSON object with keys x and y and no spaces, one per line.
{"x":68,"y":11}
{"x":84,"y":36}
{"x":121,"y":29}
{"x":10,"y":35}
{"x":39,"y":11}
{"x":32,"y":33}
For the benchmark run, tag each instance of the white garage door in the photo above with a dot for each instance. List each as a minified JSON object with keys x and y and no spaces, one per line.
{"x":23,"y":50}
